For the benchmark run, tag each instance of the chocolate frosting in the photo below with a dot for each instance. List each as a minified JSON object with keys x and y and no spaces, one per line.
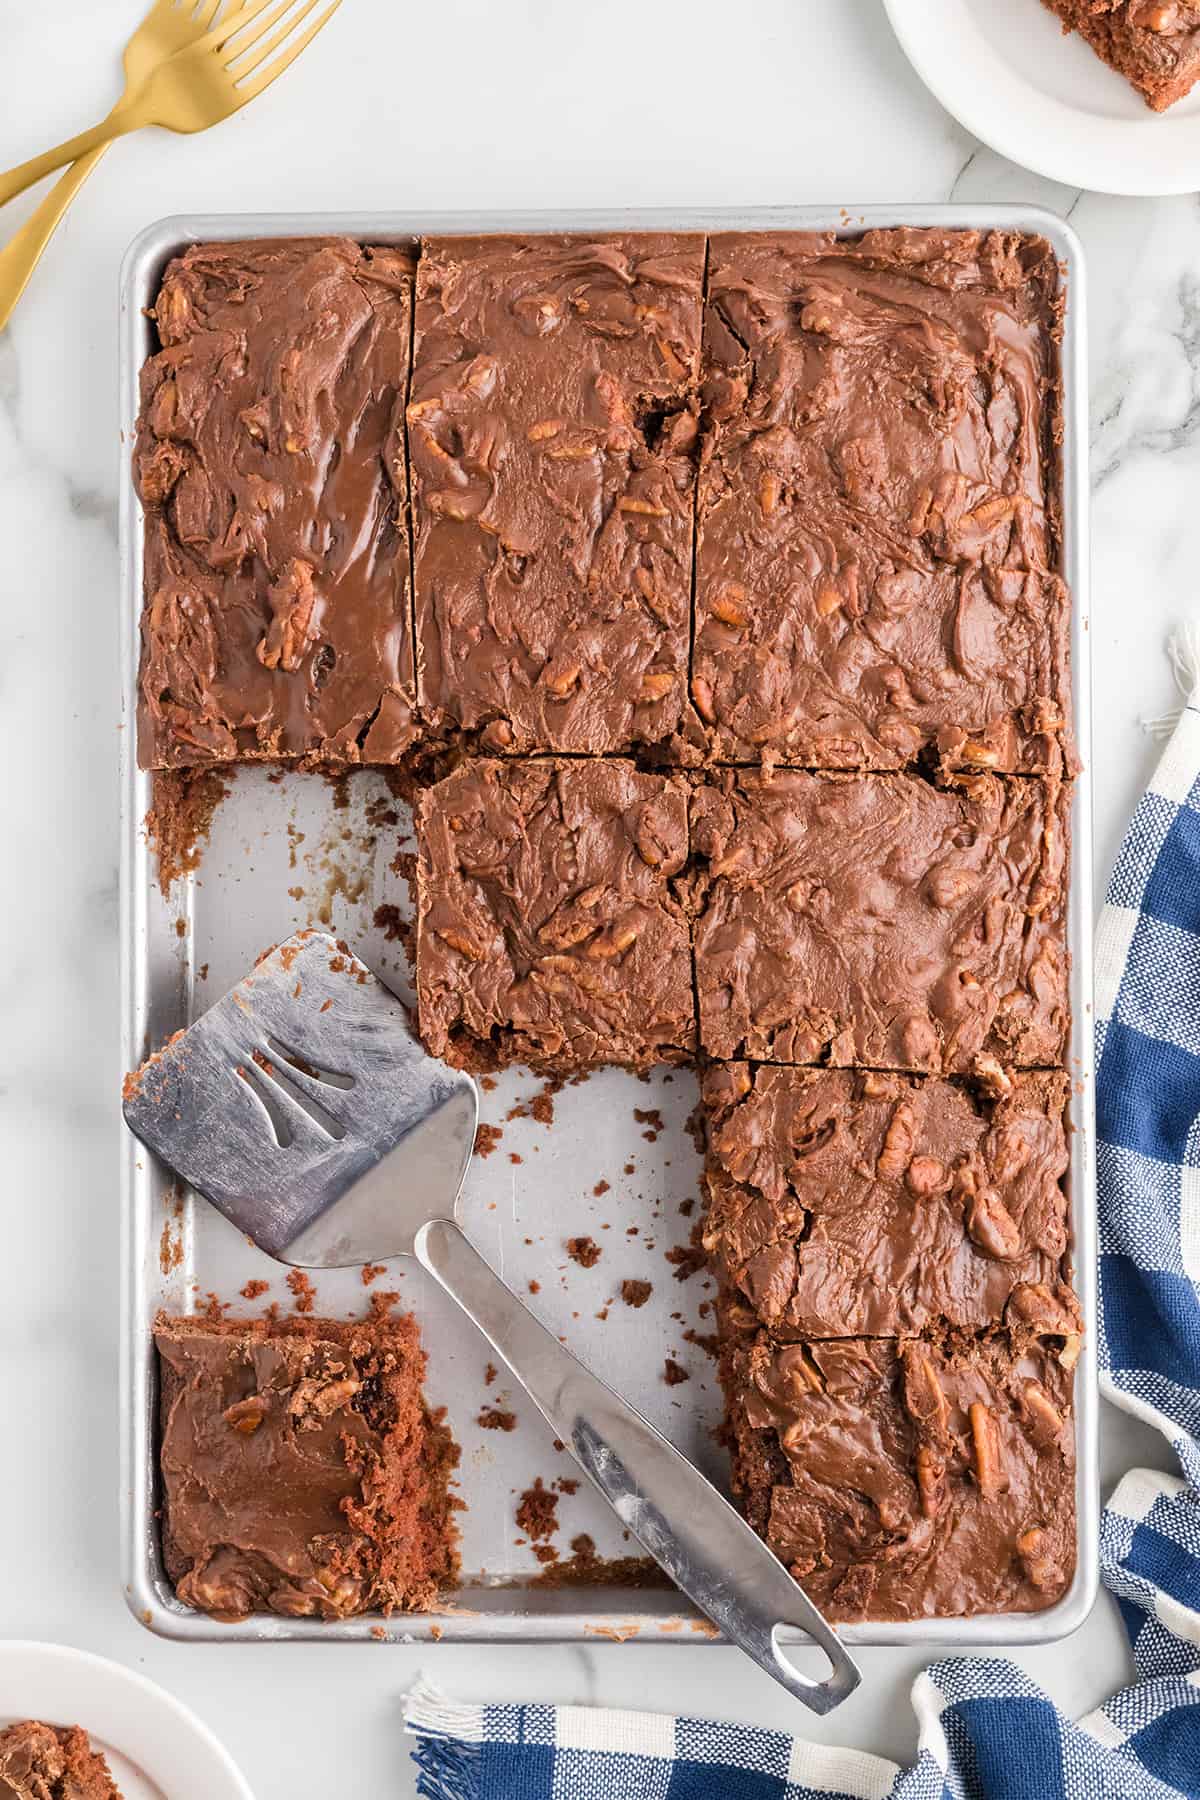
{"x":877,"y":545}
{"x":547,"y":928}
{"x":270,"y":461}
{"x":552,"y":429}
{"x":302,"y":1473}
{"x":910,"y":1480}
{"x":52,"y":1762}
{"x":879,"y":920}
{"x":860,"y":1204}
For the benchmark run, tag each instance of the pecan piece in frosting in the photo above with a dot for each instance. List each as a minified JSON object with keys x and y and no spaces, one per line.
{"x":992,"y":1226}
{"x":931,"y":1480}
{"x":1052,"y":1311}
{"x":1041,"y":1568}
{"x":159,"y":470}
{"x":898,"y":1143}
{"x":1045,"y":1420}
{"x":295,"y":616}
{"x":985,"y":1449}
{"x":246,"y":1415}
{"x":924,"y":1400}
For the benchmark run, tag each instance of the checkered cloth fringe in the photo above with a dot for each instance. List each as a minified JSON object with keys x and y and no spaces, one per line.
{"x":986,"y":1731}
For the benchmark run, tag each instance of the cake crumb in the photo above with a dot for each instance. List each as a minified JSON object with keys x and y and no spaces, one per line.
{"x":254,"y":1290}
{"x":651,"y":1117}
{"x":601,"y":1187}
{"x":695,"y":1127}
{"x":584,"y":1250}
{"x":537,"y":1511}
{"x":674,"y":1373}
{"x":490,"y":1374}
{"x":372,"y":1271}
{"x":636,"y":1293}
{"x":170,"y":1250}
{"x":303,"y":1291}
{"x":487,"y":1138}
{"x":387,"y":919}
{"x":542,"y":1105}
{"x":685,"y":1260}
{"x":495,"y":1418}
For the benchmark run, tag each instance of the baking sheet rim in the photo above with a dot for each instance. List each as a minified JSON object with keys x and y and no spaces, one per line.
{"x":626,"y":1620}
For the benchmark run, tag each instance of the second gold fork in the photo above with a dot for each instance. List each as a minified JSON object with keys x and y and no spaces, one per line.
{"x":171,"y":28}
{"x":170,"y":25}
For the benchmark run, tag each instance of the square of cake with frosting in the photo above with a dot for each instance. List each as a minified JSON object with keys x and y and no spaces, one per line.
{"x":271,"y":466}
{"x":549,"y":930}
{"x":302,"y":1471}
{"x":881,"y":921}
{"x":851,"y":1203}
{"x":878,"y":511}
{"x":915,"y":1479}
{"x":552,"y":429}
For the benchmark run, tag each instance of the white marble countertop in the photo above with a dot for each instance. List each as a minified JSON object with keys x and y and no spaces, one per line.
{"x":472,"y":105}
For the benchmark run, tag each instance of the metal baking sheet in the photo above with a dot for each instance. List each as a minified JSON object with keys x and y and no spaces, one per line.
{"x":288,"y":853}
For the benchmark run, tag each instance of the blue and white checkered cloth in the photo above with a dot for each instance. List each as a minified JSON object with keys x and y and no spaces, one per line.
{"x":986,"y":1731}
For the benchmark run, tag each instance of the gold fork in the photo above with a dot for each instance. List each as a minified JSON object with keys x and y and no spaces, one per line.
{"x":207,"y":81}
{"x":169,"y":26}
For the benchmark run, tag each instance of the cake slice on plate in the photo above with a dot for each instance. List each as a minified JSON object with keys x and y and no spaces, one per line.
{"x":1155,"y":44}
{"x":52,"y":1762}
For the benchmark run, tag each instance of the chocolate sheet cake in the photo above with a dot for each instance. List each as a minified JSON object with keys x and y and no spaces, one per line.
{"x":271,"y":465}
{"x":733,"y":685}
{"x":1154,"y":44}
{"x":52,"y":1762}
{"x":553,"y":428}
{"x":303,"y":1472}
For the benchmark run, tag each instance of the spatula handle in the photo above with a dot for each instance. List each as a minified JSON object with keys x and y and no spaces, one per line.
{"x":689,"y":1529}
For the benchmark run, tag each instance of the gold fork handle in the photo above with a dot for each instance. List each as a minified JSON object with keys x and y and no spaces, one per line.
{"x":118,"y":122}
{"x":20,"y":257}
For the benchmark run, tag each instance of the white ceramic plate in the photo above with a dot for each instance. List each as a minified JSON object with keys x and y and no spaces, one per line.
{"x":156,"y":1748}
{"x":1007,"y":73}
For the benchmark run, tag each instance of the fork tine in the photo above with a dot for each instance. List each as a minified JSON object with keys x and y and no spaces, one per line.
{"x":208,"y":12}
{"x":267,"y":75}
{"x":244,"y":13}
{"x":259,"y":14}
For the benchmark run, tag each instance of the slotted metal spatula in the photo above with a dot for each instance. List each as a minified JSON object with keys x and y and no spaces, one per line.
{"x":305,"y":1109}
